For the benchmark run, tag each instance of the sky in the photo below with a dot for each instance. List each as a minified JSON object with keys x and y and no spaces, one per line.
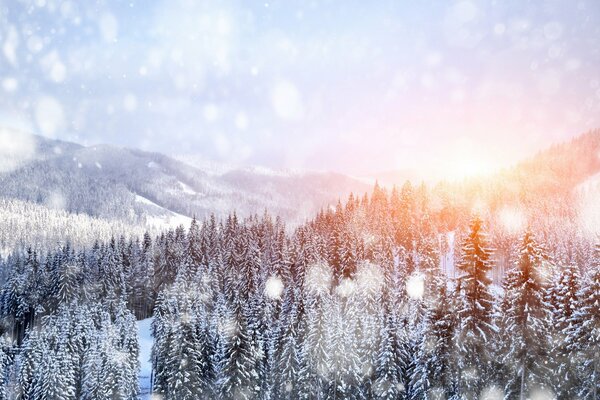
{"x":349,"y":86}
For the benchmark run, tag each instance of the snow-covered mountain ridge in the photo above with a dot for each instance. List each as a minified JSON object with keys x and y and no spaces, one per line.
{"x":109,"y":182}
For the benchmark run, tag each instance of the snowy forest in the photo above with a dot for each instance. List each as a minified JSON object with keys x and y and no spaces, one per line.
{"x":299,"y":200}
{"x":357,"y":303}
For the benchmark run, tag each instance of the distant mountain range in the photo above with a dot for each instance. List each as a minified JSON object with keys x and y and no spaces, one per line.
{"x":137,"y":190}
{"x":136,"y":186}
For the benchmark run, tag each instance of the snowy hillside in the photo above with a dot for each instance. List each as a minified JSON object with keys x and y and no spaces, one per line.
{"x":109,"y":182}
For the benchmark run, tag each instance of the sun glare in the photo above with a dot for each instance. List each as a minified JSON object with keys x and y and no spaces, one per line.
{"x":467,"y":168}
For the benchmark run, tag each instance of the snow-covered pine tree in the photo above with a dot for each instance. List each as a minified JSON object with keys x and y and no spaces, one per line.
{"x":475,"y":323}
{"x":563,"y":302}
{"x":432,"y":375}
{"x":583,"y":335}
{"x":239,"y":377}
{"x":7,"y":355}
{"x":523,"y":325}
{"x":28,"y":363}
{"x":386,"y":379}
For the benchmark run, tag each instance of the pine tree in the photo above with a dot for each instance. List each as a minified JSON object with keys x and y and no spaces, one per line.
{"x":563,"y":301}
{"x":475,"y":324}
{"x":523,"y":327}
{"x":386,"y":379}
{"x":432,"y":376}
{"x":583,"y":335}
{"x":238,"y":378}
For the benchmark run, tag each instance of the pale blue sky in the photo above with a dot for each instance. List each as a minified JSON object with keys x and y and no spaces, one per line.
{"x":353,"y":86}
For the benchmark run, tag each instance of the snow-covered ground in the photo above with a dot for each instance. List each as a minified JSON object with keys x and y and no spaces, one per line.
{"x":167,"y":219}
{"x":145,"y":341}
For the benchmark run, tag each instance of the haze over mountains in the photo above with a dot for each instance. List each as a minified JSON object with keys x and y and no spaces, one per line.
{"x":134,"y":189}
{"x":136,"y":186}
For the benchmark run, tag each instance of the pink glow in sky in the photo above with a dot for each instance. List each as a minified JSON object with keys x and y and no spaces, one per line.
{"x":446,"y":87}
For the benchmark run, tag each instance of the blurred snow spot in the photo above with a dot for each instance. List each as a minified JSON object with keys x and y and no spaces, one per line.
{"x":54,"y":67}
{"x":549,"y":82}
{"x":274,"y":288}
{"x":499,"y":29}
{"x":223,"y":25}
{"x":286,"y":100}
{"x":210,"y":112}
{"x":67,"y":10}
{"x":573,"y":64}
{"x":130,"y":102}
{"x":415,"y":286}
{"x":345,"y":288}
{"x":369,"y":278}
{"x":227,"y":327}
{"x":98,"y":165}
{"x":541,"y":394}
{"x":49,"y":115}
{"x":10,"y":46}
{"x":318,"y":278}
{"x":56,"y":201}
{"x":15,"y":148}
{"x":34,"y":44}
{"x":513,"y":220}
{"x":10,"y":84}
{"x":555,"y":52}
{"x":427,"y":80}
{"x":241,"y":121}
{"x":433,"y":59}
{"x":492,"y":393}
{"x":588,"y":209}
{"x":459,"y":24}
{"x":109,"y":27}
{"x":553,"y":30}
{"x":463,"y":12}
{"x":222,"y":144}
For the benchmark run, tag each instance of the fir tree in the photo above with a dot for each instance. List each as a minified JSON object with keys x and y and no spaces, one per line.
{"x":475,"y":324}
{"x":523,"y":328}
{"x":583,"y":335}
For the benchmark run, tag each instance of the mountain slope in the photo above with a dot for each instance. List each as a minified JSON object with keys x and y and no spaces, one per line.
{"x":132,"y":185}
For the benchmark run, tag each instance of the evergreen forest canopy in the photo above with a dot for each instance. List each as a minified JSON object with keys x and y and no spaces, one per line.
{"x":360,"y":302}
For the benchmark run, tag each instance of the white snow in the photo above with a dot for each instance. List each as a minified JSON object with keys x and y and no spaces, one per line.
{"x":186,"y":188}
{"x":171,"y":220}
{"x":145,"y":342}
{"x":274,"y":287}
{"x":415,"y":286}
{"x":167,"y":218}
{"x":143,"y":200}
